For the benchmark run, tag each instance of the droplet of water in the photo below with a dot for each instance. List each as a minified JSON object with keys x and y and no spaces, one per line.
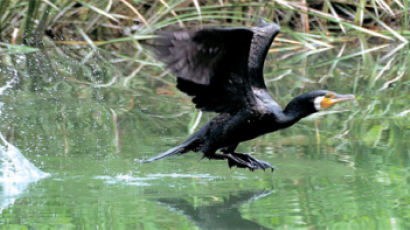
{"x":16,"y":172}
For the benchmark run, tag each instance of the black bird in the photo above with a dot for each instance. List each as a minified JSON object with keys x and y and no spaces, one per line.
{"x":222,"y":69}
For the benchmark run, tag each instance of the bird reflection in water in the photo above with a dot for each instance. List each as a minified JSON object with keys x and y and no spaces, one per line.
{"x":223,"y":215}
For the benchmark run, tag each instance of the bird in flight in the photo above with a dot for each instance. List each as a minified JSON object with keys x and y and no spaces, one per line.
{"x":222,"y":70}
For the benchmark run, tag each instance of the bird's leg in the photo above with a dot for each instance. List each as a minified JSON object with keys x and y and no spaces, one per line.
{"x":239,"y":160}
{"x":230,"y":148}
{"x":232,"y":160}
{"x":242,"y":160}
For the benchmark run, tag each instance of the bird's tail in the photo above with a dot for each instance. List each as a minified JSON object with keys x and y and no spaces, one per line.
{"x":180,"y":149}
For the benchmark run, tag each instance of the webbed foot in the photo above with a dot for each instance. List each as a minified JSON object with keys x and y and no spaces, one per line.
{"x":241,"y":160}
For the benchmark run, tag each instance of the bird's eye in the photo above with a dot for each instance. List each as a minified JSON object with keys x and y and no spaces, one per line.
{"x":328,"y":95}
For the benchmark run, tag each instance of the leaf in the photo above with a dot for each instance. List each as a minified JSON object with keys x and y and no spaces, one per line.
{"x":16,"y":49}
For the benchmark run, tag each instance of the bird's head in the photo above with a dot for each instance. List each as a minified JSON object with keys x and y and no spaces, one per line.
{"x":323,"y":99}
{"x":314,"y":101}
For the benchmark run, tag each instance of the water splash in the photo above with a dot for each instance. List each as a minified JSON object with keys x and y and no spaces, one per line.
{"x":16,"y":172}
{"x":129,"y":179}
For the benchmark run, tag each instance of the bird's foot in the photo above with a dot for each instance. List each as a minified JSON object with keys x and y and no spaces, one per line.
{"x":241,"y":160}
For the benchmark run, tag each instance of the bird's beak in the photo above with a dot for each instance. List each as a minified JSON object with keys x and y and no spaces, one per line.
{"x":334,"y":99}
{"x":342,"y":97}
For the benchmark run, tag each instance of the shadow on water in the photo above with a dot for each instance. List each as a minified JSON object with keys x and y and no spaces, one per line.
{"x":222,"y":215}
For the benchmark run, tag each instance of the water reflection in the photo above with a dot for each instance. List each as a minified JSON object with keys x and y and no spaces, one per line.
{"x":221,"y":215}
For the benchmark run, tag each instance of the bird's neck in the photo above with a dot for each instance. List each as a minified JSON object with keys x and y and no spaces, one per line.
{"x":296,"y":110}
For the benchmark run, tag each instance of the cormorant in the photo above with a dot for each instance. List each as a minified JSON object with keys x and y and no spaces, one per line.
{"x":222,"y":69}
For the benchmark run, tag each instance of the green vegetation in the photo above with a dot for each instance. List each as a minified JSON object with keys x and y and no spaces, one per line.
{"x":109,"y":24}
{"x":105,"y":22}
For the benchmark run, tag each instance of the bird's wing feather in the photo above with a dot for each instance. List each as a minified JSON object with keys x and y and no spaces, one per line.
{"x":263,"y":36}
{"x":210,"y":64}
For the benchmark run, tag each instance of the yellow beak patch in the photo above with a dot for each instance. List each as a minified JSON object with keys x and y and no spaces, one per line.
{"x":326,"y":103}
{"x":332,"y":99}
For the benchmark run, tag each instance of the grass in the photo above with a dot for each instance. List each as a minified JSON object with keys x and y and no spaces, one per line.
{"x":331,"y":20}
{"x":117,"y":26}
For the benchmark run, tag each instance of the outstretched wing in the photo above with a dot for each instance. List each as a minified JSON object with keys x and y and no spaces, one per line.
{"x":263,"y":36}
{"x":211,"y":65}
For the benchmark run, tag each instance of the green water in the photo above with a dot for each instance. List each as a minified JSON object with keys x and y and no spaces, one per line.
{"x":345,"y":170}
